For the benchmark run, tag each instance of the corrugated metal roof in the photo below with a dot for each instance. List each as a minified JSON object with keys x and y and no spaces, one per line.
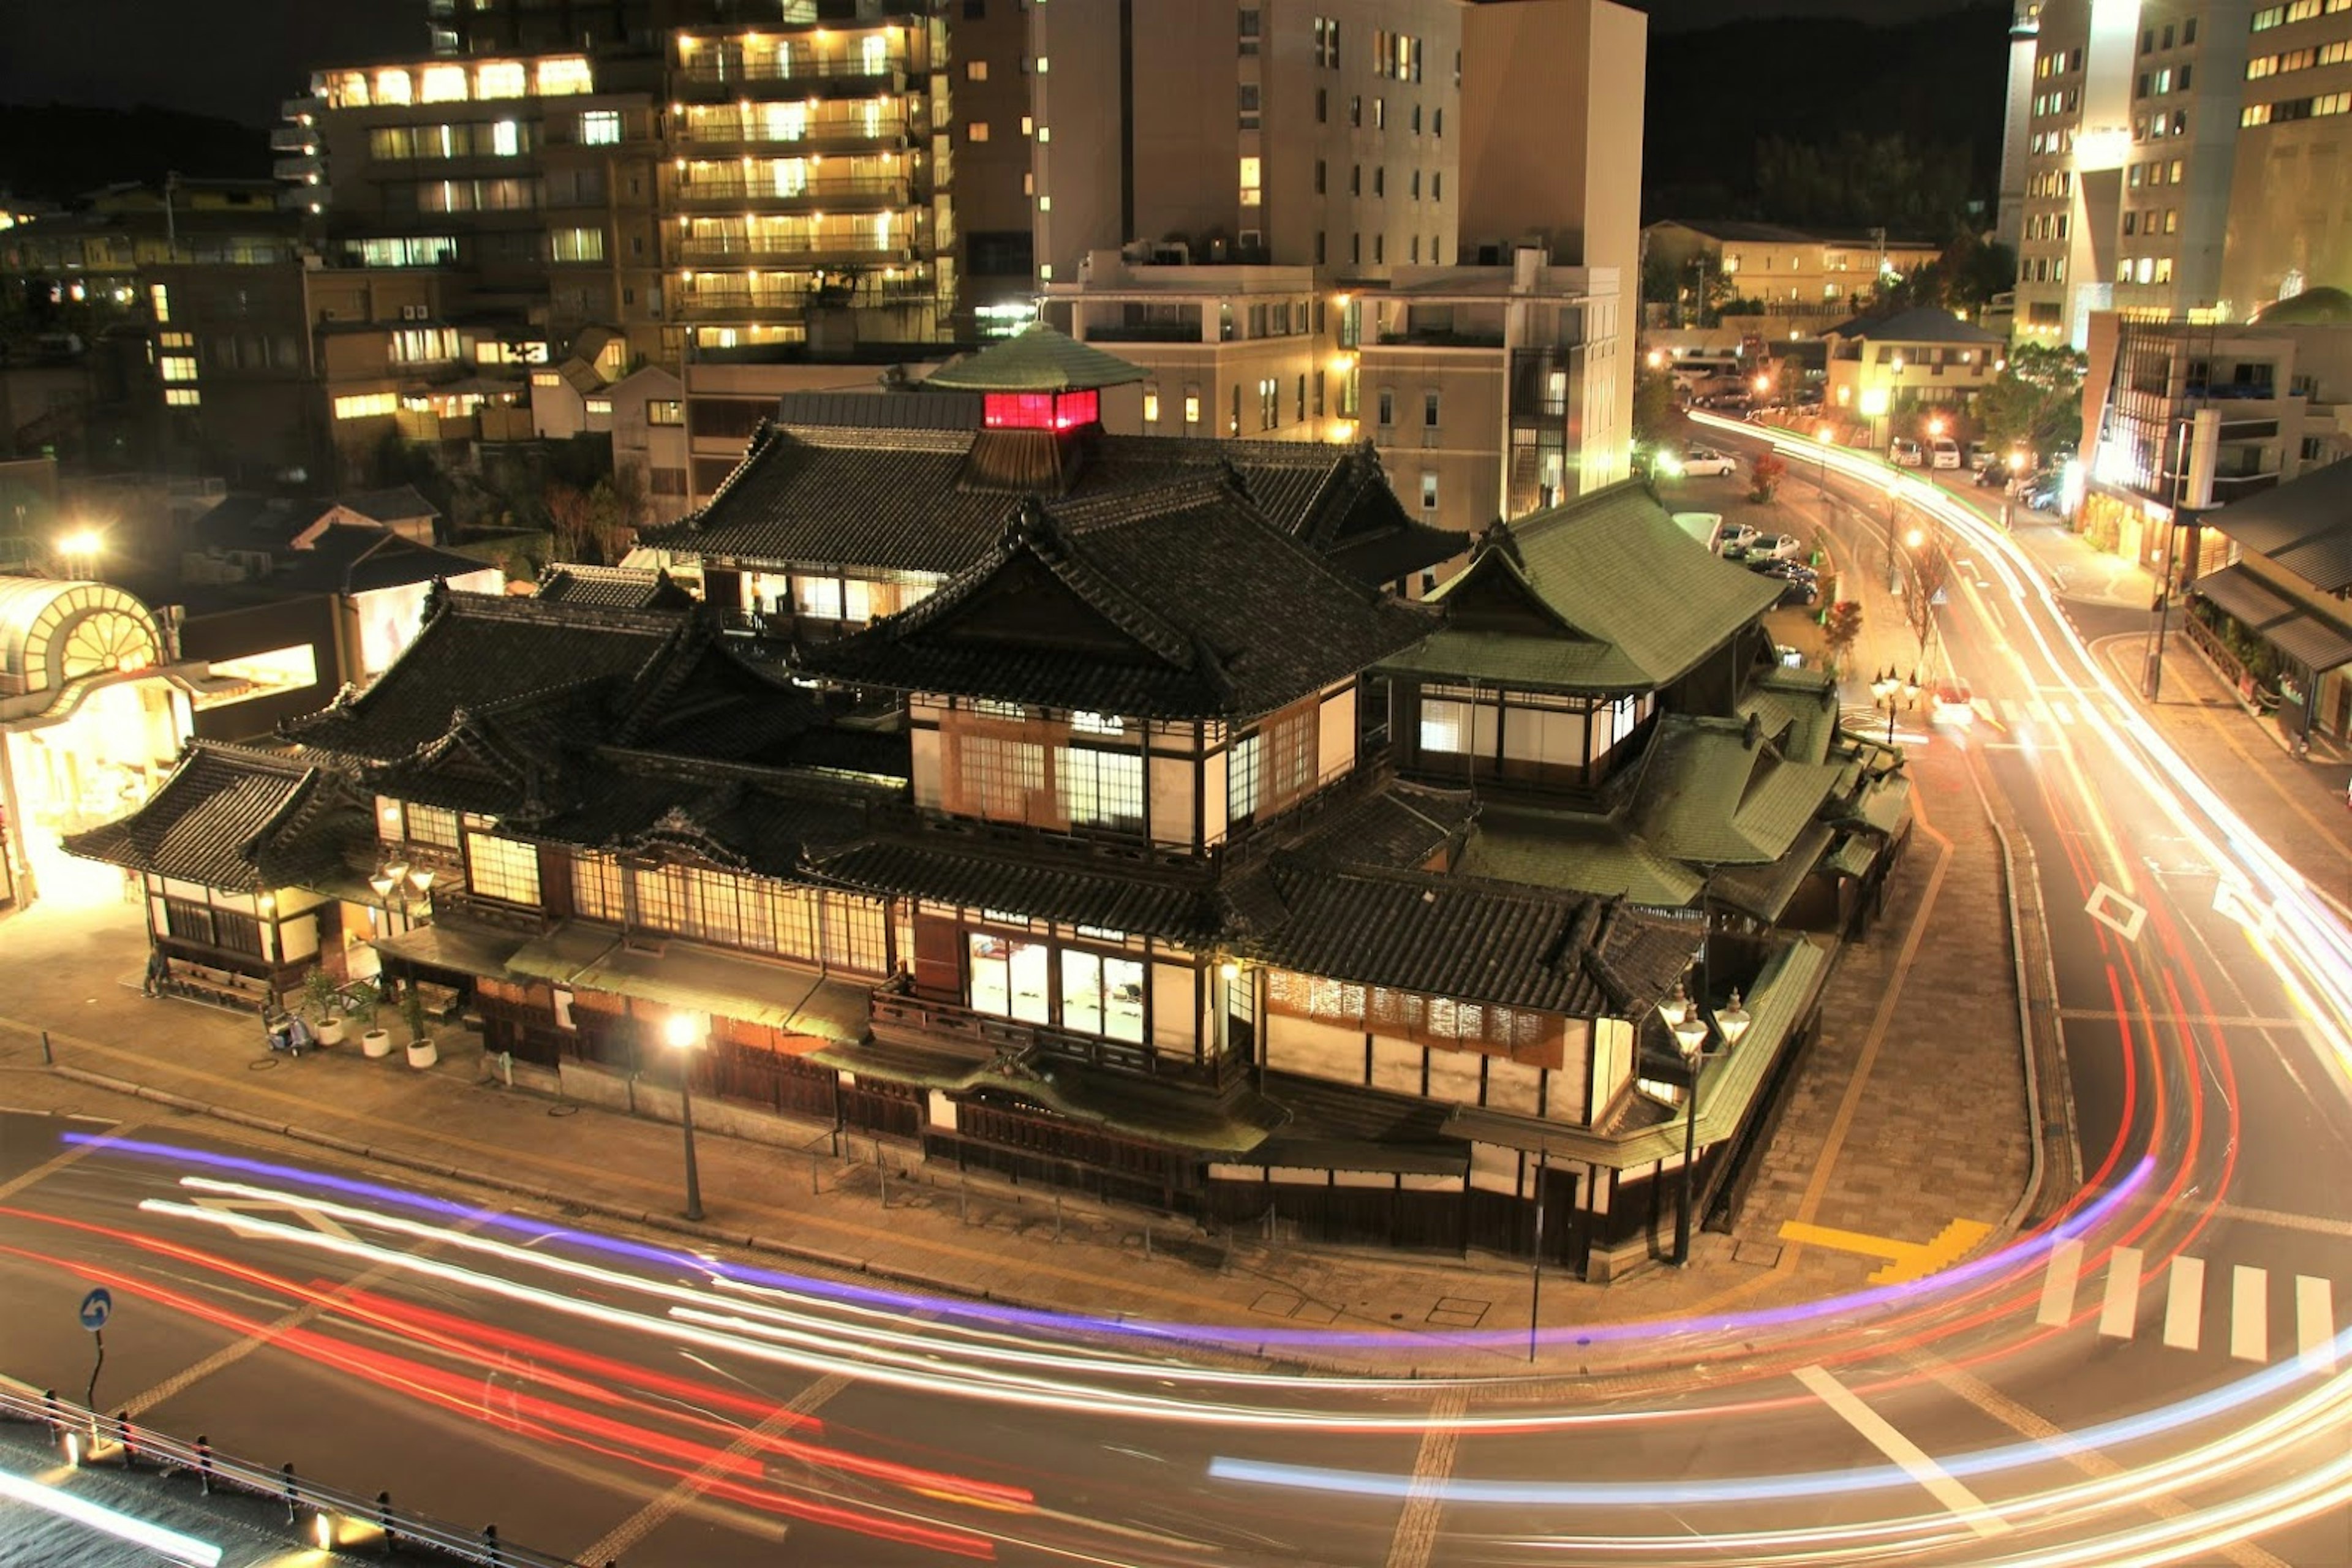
{"x":2304,"y":527}
{"x":2318,"y":645}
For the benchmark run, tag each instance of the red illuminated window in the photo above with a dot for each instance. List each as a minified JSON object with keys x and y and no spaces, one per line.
{"x":1040,"y":410}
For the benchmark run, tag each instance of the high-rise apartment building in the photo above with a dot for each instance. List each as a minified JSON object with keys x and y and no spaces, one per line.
{"x":1306,"y":133}
{"x":2017,"y":120}
{"x":2132,"y":135}
{"x":2288,"y":228}
{"x":692,"y":176}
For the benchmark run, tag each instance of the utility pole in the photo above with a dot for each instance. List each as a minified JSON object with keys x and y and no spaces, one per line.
{"x":2195,"y":450}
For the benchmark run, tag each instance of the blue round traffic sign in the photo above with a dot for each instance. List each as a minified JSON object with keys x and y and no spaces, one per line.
{"x":96,"y":1307}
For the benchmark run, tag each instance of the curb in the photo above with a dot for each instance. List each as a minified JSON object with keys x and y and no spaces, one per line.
{"x":654,"y":1219}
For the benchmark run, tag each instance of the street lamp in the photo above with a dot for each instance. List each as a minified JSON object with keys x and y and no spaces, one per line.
{"x":1690,"y":1041}
{"x":1894,"y":694}
{"x":683,"y":1031}
{"x":421,"y":879}
{"x":83,"y":544}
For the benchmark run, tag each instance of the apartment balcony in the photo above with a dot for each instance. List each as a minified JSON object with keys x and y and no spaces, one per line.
{"x":833,"y":74}
{"x":301,"y":169}
{"x":787,"y":250}
{"x":298,"y":108}
{"x":852,"y":193}
{"x":294,"y":139}
{"x":885,"y":134}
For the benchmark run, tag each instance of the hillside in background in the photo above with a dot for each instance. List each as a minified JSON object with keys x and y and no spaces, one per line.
{"x":56,"y":151}
{"x":1716,"y":96}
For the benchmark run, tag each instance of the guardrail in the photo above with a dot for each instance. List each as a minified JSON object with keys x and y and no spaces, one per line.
{"x":315,"y":1515}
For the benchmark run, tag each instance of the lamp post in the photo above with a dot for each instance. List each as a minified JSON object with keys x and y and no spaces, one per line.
{"x":1894,"y":694}
{"x":1690,"y":1040}
{"x":683,"y":1031}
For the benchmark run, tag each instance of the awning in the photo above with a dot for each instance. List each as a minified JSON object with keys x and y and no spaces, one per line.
{"x":453,"y":948}
{"x":744,"y":988}
{"x":563,"y":952}
{"x":2318,"y":645}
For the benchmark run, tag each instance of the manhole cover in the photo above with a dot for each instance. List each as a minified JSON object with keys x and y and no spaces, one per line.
{"x":1758,"y":1254}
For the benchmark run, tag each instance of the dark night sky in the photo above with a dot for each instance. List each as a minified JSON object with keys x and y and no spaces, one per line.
{"x":238,"y":57}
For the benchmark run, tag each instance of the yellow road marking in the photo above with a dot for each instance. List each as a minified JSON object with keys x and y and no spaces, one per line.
{"x":1906,"y":1259}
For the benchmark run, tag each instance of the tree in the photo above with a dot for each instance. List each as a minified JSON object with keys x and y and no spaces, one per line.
{"x":1927,"y":573}
{"x":2036,"y":401}
{"x":1769,"y":470}
{"x":1653,"y":407}
{"x":1841,"y":630}
{"x":589,"y":525}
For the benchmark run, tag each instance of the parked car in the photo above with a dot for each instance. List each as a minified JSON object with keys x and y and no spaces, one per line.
{"x":1954,"y":703}
{"x":1796,"y":592}
{"x":1791,"y":570}
{"x":1733,"y":542}
{"x":1992,"y":474}
{"x":1706,"y":460}
{"x":1904,"y":453}
{"x":1943,"y":452}
{"x":2043,"y":493}
{"x":1776,"y":547}
{"x":1980,"y":455}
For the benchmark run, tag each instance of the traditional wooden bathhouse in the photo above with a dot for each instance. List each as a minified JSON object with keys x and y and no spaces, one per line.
{"x":1128,"y":856}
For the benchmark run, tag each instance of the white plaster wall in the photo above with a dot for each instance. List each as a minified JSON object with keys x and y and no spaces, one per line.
{"x":1171,"y":800}
{"x":1175,"y":1011}
{"x":1512,"y":1087}
{"x":925,"y":745}
{"x":1396,"y":1065}
{"x":1454,"y":1076}
{"x":1336,"y":733}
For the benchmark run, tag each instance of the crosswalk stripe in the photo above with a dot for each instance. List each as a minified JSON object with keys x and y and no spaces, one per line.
{"x":2118,"y":1313}
{"x":2061,"y":713}
{"x":2314,"y":1323}
{"x":2250,"y":1329}
{"x":2058,"y":1284}
{"x":2184,"y":1302}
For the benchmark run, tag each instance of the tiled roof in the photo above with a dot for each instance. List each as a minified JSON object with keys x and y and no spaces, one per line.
{"x":746,"y":819}
{"x":348,"y":559}
{"x":1764,"y":890}
{"x":1470,"y":939}
{"x":1399,"y":825}
{"x":923,"y":498}
{"x":232,"y":817}
{"x":908,"y":408}
{"x":1918,"y":324}
{"x":2303,"y":527}
{"x":613,"y":589}
{"x":1179,"y":602}
{"x":1603,"y":593}
{"x":1716,"y":792}
{"x":1024,"y":877}
{"x":1035,"y":359}
{"x":484,"y":650}
{"x":1576,"y":852}
{"x":1800,"y":703}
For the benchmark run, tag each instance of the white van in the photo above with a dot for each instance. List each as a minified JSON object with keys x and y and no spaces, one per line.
{"x":1943,"y":452}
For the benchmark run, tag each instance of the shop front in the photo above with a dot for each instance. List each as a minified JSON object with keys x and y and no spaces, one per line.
{"x":92,"y":716}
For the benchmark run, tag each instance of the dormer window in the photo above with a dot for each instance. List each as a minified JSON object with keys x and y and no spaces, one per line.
{"x":1041,"y":410}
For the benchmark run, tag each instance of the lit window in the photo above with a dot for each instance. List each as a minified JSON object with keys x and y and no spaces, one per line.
{"x":977,"y":130}
{"x":506,"y":139}
{"x":444,"y":84}
{"x":160,"y":298}
{"x":975,"y":70}
{"x":498,"y":79}
{"x":181,"y":397}
{"x":366,"y":405}
{"x":1151,"y":405}
{"x":665,"y":411}
{"x":1252,"y":178}
{"x":600,"y":408}
{"x":177,"y":367}
{"x":392,"y":87}
{"x":1028,"y":126}
{"x":563,"y":77}
{"x":600,"y":127}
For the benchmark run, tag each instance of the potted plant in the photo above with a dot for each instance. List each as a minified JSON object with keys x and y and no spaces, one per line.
{"x":375,"y":1041}
{"x":421,"y":1052}
{"x":320,"y":999}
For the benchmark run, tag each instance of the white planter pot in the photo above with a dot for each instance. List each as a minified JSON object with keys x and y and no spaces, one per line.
{"x":421,"y":1054}
{"x":377,"y":1043}
{"x":330,"y":1032}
